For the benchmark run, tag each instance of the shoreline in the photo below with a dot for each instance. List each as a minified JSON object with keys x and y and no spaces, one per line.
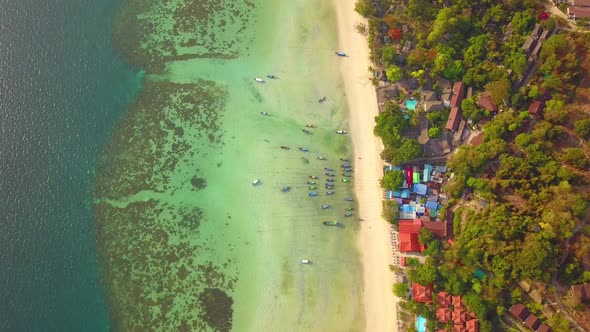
{"x":374,"y":239}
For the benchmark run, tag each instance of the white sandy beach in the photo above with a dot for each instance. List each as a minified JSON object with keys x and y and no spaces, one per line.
{"x":379,"y":302}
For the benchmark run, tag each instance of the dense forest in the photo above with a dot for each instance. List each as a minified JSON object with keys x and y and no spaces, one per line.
{"x":521,"y":197}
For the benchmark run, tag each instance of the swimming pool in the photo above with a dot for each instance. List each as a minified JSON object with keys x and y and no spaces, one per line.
{"x":411,"y":104}
{"x":421,"y":324}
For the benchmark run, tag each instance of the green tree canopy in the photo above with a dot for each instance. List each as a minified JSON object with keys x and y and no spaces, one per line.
{"x":582,"y":127}
{"x":499,"y":90}
{"x":394,"y":73}
{"x":392,"y":180}
{"x":389,"y":125}
{"x":401,"y":289}
{"x":410,"y":149}
{"x":365,"y":8}
{"x":388,"y":55}
{"x":576,"y":157}
{"x":522,"y":22}
{"x":477,"y":50}
{"x":471,"y":111}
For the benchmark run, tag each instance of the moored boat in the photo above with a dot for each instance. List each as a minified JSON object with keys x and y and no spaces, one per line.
{"x":329,"y":169}
{"x":349,"y":214}
{"x":321,"y":158}
{"x":348,"y":199}
{"x":264,"y":113}
{"x":259,"y":80}
{"x":346,"y":175}
{"x":303,"y":149}
{"x":349,"y":209}
{"x":256,"y":182}
{"x":341,"y":132}
{"x":329,"y":180}
{"x":307,"y":131}
{"x":330,"y":174}
{"x":285,"y":189}
{"x":345,"y":165}
{"x":313,"y":187}
{"x":311,"y":182}
{"x":271,"y":76}
{"x":285,"y":147}
{"x":310,"y":126}
{"x":312,"y":194}
{"x":325,"y":206}
{"x":323,"y":99}
{"x":331,"y":223}
{"x":338,"y":53}
{"x":345,"y":180}
{"x":313,"y":177}
{"x":344,"y":159}
{"x":329,"y":193}
{"x":305,"y":261}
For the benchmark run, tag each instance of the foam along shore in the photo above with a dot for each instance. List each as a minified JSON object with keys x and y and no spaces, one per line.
{"x":376,"y":255}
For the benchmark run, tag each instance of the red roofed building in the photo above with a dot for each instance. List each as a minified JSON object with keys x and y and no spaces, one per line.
{"x":457,"y":302}
{"x":408,"y":242}
{"x":454,"y":119}
{"x":472,"y":325}
{"x":459,"y":316}
{"x":443,"y":315}
{"x":485,"y":101}
{"x":578,"y":12}
{"x":458,"y":94}
{"x":520,"y":311}
{"x":536,"y":108}
{"x":544,"y":328}
{"x":437,"y":228}
{"x":532,"y":322}
{"x":581,"y":3}
{"x":582,"y":292}
{"x":422,"y":293}
{"x":408,"y":231}
{"x":443,"y":299}
{"x":459,"y":328}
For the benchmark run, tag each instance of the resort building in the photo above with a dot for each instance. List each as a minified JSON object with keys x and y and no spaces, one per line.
{"x":485,"y":101}
{"x":582,"y":292}
{"x":408,"y":231}
{"x":575,"y":12}
{"x":451,"y":309}
{"x":456,"y":116}
{"x":421,"y":293}
{"x":522,"y":314}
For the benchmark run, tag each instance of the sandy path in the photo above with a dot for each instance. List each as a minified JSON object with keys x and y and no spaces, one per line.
{"x":379,"y":302}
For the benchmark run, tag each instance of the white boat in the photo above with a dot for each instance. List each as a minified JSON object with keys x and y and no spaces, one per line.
{"x":259,"y":80}
{"x":341,"y":132}
{"x":305,"y":261}
{"x":256,"y":182}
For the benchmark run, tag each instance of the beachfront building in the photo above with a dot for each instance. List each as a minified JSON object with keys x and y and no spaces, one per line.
{"x":408,"y":231}
{"x":422,"y":294}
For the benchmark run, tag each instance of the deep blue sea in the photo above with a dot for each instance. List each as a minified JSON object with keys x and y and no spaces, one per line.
{"x":62,"y":89}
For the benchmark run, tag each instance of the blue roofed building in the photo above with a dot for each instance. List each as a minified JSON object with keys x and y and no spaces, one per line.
{"x":420,"y":189}
{"x":427,"y":173}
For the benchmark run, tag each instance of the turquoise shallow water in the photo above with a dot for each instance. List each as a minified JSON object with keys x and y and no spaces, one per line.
{"x":185,"y":240}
